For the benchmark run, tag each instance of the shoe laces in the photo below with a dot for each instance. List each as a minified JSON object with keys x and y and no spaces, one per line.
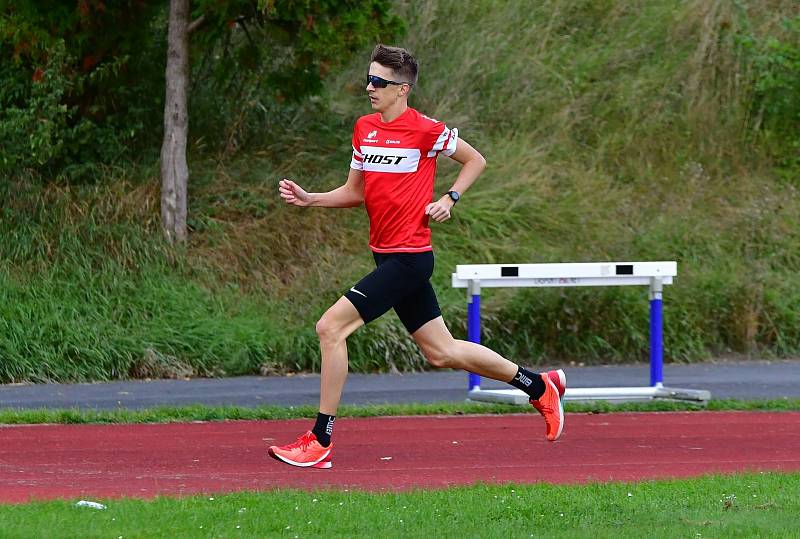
{"x":303,"y":441}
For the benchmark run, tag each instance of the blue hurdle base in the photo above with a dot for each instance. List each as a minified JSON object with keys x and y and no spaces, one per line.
{"x":585,"y":394}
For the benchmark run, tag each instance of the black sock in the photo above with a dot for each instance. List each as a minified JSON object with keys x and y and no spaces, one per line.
{"x":529,"y":382}
{"x":323,"y":428}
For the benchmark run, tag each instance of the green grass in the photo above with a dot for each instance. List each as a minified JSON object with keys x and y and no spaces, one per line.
{"x":613,"y":130}
{"x":164,"y":414}
{"x":747,"y":505}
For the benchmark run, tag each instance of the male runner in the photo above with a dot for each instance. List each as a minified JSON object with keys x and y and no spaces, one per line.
{"x":392,"y":173}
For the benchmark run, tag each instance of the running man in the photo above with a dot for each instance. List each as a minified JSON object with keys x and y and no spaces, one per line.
{"x":392,"y":173}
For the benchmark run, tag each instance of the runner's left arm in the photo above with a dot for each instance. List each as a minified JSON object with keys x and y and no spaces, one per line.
{"x":473,"y":164}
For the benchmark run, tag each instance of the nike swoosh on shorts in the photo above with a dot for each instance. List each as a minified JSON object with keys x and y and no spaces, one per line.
{"x":357,"y":292}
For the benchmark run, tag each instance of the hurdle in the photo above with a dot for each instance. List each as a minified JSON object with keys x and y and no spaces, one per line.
{"x":474,"y":277}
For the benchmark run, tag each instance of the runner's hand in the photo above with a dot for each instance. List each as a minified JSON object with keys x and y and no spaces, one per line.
{"x":440,"y":210}
{"x":292,"y":193}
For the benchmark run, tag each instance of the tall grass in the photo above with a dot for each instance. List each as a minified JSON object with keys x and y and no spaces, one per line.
{"x":613,"y":131}
{"x":89,"y":292}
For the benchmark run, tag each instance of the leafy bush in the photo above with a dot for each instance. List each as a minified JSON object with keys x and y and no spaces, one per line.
{"x":254,"y":66}
{"x":776,"y":106}
{"x":82,"y":84}
{"x":77,"y":85}
{"x":47,"y":134}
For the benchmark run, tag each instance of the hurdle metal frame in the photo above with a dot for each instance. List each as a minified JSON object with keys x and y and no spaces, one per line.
{"x":474,"y":277}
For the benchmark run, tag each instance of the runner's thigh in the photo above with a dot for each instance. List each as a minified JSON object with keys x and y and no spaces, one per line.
{"x":418,"y":308}
{"x":386,"y":286}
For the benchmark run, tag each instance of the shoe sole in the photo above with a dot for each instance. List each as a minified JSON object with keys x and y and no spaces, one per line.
{"x":560,"y":410}
{"x":324,"y":463}
{"x":561,"y":425}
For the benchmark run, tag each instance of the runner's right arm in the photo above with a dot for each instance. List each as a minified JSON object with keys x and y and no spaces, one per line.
{"x":349,"y":195}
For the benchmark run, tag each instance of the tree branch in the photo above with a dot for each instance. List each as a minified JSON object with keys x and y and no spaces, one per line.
{"x":247,"y":33}
{"x":196,"y":23}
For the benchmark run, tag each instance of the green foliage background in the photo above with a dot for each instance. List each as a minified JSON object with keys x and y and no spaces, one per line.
{"x":78,"y":88}
{"x":613,"y":130}
{"x":82,"y":82}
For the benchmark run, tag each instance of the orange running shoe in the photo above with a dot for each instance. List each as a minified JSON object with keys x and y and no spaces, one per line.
{"x":559,"y":379}
{"x":550,"y":406}
{"x":306,"y":452}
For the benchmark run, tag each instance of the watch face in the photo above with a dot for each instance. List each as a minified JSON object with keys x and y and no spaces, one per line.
{"x":453,"y":195}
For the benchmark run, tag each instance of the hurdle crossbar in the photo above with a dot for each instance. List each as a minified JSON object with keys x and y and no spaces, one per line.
{"x":474,"y":277}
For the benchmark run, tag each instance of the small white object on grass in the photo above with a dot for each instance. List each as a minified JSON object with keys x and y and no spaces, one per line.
{"x":93,"y":505}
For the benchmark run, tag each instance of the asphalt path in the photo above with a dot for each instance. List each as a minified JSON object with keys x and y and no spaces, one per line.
{"x":748,"y":380}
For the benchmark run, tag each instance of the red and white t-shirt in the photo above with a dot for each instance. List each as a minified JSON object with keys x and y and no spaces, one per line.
{"x":399,"y":163}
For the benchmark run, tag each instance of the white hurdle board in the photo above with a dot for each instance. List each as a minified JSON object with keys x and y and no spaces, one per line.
{"x":655,"y":275}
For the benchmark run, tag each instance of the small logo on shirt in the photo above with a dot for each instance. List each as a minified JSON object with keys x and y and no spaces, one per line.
{"x":388,"y":141}
{"x":372,"y":134}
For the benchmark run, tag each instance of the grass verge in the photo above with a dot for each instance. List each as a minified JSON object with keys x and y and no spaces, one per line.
{"x":166,"y":414}
{"x":744,"y":505}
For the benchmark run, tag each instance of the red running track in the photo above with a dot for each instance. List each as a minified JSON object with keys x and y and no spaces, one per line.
{"x":143,"y":461}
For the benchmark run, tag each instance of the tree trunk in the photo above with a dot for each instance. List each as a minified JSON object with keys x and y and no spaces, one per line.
{"x":174,"y":170}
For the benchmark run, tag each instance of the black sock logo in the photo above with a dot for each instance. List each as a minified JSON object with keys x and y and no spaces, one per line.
{"x":329,"y":426}
{"x":522,"y":379}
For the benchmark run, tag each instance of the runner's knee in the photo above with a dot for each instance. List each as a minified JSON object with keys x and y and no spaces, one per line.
{"x":439,"y":358}
{"x":328,"y":330}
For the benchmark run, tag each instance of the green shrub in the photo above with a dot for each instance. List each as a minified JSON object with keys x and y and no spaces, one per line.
{"x":776,"y":107}
{"x":76,"y":87}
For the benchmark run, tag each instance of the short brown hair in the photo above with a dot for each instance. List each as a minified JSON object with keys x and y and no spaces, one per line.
{"x":398,"y":60}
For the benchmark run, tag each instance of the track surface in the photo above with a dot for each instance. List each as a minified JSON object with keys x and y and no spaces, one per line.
{"x":380,"y":454}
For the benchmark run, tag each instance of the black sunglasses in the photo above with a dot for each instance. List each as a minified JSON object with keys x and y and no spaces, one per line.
{"x":379,"y":82}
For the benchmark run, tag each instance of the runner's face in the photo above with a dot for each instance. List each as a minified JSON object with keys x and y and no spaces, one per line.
{"x":383,"y":98}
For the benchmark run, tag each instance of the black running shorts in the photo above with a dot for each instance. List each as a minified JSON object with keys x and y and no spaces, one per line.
{"x":400,"y":281}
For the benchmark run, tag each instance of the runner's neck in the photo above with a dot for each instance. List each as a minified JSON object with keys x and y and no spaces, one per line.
{"x":394,"y":112}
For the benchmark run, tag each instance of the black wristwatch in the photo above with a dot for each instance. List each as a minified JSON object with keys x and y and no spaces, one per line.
{"x":454,"y":196}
